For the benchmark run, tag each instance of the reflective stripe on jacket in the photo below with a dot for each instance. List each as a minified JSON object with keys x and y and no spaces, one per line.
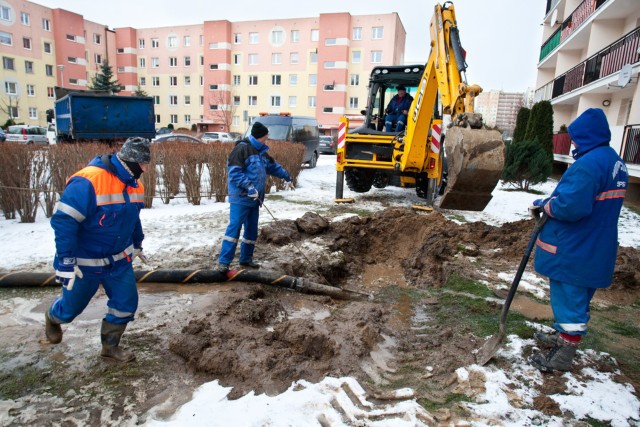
{"x":98,"y":216}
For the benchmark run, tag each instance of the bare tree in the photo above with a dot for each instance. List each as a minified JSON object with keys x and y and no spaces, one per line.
{"x":10,"y":104}
{"x":225,"y":110}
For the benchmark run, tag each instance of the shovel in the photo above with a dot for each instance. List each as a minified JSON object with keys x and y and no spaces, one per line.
{"x":488,"y":350}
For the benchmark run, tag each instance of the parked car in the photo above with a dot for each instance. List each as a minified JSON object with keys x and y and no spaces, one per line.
{"x":326,"y":145}
{"x":163,"y":131}
{"x":294,"y":129}
{"x":25,"y":134}
{"x":177,"y":137}
{"x":217,"y":136}
{"x":3,"y":137}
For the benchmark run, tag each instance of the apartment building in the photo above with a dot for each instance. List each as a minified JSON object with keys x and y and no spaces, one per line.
{"x":500,"y":109}
{"x":590,"y":57}
{"x":216,"y":74}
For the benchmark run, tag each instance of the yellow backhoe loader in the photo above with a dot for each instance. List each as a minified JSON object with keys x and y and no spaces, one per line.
{"x":374,"y":155}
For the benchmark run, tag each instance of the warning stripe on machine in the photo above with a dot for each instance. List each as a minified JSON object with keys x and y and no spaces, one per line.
{"x":436,"y":131}
{"x":342,"y":128}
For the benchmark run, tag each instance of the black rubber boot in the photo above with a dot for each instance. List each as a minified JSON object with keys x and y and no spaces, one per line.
{"x":223,"y":268}
{"x":52,"y":330}
{"x":110,"y":335}
{"x":547,"y":339}
{"x":559,"y":358}
{"x":250,"y":264}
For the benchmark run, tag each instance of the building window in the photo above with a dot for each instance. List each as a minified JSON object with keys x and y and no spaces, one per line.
{"x":201,"y":103}
{"x":31,"y":90}
{"x":236,"y":100}
{"x":50,"y":92}
{"x":313,"y":79}
{"x":140,"y":43}
{"x":357,"y":33}
{"x":354,"y":79}
{"x":213,"y":87}
{"x":277,"y":37}
{"x":353,"y":102}
{"x":97,"y":39}
{"x":327,"y":109}
{"x":172,"y":42}
{"x":173,"y":61}
{"x":276,"y":58}
{"x":293,"y":57}
{"x":187,"y":61}
{"x":14,"y":112}
{"x":275,"y":101}
{"x":315,"y":35}
{"x":377,"y":33}
{"x":376,"y":56}
{"x":143,"y":81}
{"x":5,"y":13}
{"x":312,"y":101}
{"x":356,"y":56}
{"x":33,"y":113}
{"x":201,"y":42}
{"x":142,"y":62}
{"x":157,"y":118}
{"x":46,"y":25}
{"x":28,"y":67}
{"x":173,"y":99}
{"x":295,"y":36}
{"x":173,"y":81}
{"x":330,"y":87}
{"x":330,"y":42}
{"x":187,"y":100}
{"x":71,"y":37}
{"x":47,"y":47}
{"x":237,"y":38}
{"x":187,"y":41}
{"x":155,"y":81}
{"x":201,"y":83}
{"x":25,"y":18}
{"x":252,"y":100}
{"x":313,"y":57}
{"x":329,"y":64}
{"x":253,"y":80}
{"x":187,"y":119}
{"x":11,"y":88}
{"x":276,"y":79}
{"x":48,"y":70}
{"x":155,"y":43}
{"x":73,"y":82}
{"x":73,"y":60}
{"x":253,"y":59}
{"x":187,"y":80}
{"x":236,"y":80}
{"x":155,"y":62}
{"x":254,"y":38}
{"x":6,"y":38}
{"x":213,"y":66}
{"x":156,"y":99}
{"x":293,"y":101}
{"x":293,"y":79}
{"x":237,"y":59}
{"x":235,"y":120}
{"x":213,"y":106}
{"x":173,"y":119}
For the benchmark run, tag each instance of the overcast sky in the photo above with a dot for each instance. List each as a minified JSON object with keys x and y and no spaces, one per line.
{"x":502,"y":37}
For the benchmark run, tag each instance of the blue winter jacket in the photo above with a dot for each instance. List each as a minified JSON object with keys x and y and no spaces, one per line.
{"x":97,"y":220}
{"x":397,"y":105}
{"x":579,"y":242}
{"x":248,"y":166}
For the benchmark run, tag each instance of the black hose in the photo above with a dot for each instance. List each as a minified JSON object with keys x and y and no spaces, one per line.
{"x":30,"y":279}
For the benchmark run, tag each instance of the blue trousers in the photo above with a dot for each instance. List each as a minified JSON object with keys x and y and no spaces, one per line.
{"x":240,"y":216}
{"x":120,"y":287}
{"x":400,"y":120}
{"x":570,"y":305}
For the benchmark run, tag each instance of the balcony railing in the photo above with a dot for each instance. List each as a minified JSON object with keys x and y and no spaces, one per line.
{"x":630,"y":149}
{"x":570,"y":25}
{"x":561,"y":143}
{"x":608,"y":61}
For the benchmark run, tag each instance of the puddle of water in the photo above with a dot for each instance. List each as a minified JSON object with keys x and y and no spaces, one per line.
{"x":305,"y":313}
{"x":381,"y":354}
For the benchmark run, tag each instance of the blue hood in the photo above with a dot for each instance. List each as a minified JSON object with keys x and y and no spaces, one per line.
{"x":589,"y":130}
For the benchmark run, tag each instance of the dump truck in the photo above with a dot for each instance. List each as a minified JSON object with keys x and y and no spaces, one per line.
{"x":85,"y":116}
{"x":373,"y":155}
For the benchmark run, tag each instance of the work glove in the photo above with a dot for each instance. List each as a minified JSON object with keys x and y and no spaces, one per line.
{"x":67,"y":272}
{"x":289,"y":186}
{"x":535,"y":211}
{"x":137,"y":253}
{"x":253,"y":193}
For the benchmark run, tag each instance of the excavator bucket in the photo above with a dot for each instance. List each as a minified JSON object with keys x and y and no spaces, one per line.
{"x":475,"y":160}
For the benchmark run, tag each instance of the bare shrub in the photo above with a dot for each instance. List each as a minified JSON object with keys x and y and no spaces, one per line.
{"x":168,"y":180}
{"x":217,"y":165}
{"x":149,"y":179}
{"x":27,"y":169}
{"x":193,"y":162}
{"x":290,"y":157}
{"x":9,"y":193}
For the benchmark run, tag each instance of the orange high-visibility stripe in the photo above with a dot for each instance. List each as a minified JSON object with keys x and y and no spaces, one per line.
{"x":611,"y":194}
{"x":108,"y":187}
{"x":546,"y":246}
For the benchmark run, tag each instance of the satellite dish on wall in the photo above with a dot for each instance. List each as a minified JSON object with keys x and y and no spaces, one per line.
{"x":625,"y":75}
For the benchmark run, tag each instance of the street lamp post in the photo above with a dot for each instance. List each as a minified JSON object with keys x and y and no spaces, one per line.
{"x":61,"y":68}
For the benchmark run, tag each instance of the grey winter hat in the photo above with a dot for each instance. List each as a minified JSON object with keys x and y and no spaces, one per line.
{"x":259,"y":130}
{"x":136,"y":150}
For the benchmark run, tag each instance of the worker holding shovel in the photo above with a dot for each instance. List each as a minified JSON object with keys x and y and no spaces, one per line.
{"x":578,"y":244}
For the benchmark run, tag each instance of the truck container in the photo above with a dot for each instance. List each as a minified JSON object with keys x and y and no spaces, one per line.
{"x":86,"y":116}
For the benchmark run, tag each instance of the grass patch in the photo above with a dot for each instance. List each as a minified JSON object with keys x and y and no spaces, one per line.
{"x":457,"y":217}
{"x":31,"y":380}
{"x":462,"y":284}
{"x":395,"y":293}
{"x":624,"y":328}
{"x":448,"y":401}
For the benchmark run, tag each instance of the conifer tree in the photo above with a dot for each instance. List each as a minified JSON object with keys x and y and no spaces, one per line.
{"x":527,"y":164}
{"x":540,"y":126}
{"x":521,"y":124}
{"x":103,"y":80}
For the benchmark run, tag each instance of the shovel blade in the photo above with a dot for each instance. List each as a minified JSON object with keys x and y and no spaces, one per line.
{"x":489,"y":349}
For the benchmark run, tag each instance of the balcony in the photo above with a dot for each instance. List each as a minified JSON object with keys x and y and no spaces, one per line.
{"x":608,"y":61}
{"x":562,"y":144}
{"x":630,"y":149}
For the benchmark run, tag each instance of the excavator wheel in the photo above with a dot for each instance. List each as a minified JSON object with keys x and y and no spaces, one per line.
{"x":380,"y":180}
{"x":359,"y":180}
{"x":475,"y":159}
